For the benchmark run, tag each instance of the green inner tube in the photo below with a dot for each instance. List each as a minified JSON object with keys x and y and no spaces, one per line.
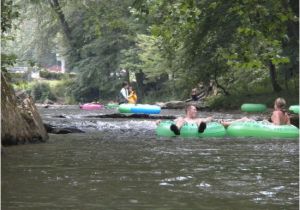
{"x":262,"y":130}
{"x":213,"y":129}
{"x":125,"y":108}
{"x":112,"y":105}
{"x":253,"y":107}
{"x":294,"y":108}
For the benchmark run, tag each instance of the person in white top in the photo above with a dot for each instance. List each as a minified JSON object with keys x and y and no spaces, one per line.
{"x":123,"y":95}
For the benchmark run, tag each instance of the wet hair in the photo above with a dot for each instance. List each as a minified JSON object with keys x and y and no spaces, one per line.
{"x":124,"y":84}
{"x":280,"y":103}
{"x":187,"y":107}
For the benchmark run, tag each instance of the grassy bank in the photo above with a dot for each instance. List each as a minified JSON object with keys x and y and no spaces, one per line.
{"x":234,"y":102}
{"x":41,"y":90}
{"x":59,"y":91}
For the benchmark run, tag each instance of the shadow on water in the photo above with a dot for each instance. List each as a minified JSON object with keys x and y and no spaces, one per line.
{"x":122,"y":164}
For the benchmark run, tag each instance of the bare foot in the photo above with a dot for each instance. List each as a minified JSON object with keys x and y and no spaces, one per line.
{"x":224,"y":123}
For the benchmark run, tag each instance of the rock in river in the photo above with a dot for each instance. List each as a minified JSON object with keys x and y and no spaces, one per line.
{"x":20,"y":120}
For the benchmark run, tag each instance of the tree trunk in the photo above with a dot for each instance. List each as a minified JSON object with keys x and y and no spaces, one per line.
{"x":286,"y":79}
{"x":127,"y":76}
{"x":66,"y":29}
{"x":222,"y":88}
{"x":273,"y":77}
{"x":56,"y":7}
{"x":140,"y":76}
{"x":218,"y":85}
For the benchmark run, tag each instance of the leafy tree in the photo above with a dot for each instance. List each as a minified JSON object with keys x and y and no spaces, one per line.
{"x":225,"y":41}
{"x":8,"y":13}
{"x":103,"y":31}
{"x":164,"y":46}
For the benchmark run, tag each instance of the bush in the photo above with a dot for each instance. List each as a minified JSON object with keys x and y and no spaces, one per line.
{"x":41,"y":91}
{"x":51,"y":75}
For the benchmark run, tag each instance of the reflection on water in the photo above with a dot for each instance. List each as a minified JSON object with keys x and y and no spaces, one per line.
{"x":121,"y":164}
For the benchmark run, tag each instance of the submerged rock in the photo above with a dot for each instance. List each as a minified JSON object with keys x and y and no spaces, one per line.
{"x":63,"y":130}
{"x":175,"y":104}
{"x":135,"y":116}
{"x":48,"y":101}
{"x":181,"y":104}
{"x":20,"y":120}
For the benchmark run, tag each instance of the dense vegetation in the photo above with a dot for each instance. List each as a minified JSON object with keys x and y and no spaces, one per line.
{"x":164,"y":48}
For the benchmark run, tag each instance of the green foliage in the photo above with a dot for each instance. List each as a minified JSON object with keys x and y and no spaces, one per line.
{"x":172,"y":45}
{"x":42,"y":91}
{"x":225,"y":41}
{"x":7,"y":60}
{"x":36,"y":38}
{"x":167,"y":91}
{"x":60,"y":90}
{"x":19,"y":78}
{"x":8,"y":14}
{"x":55,"y":90}
{"x":51,"y":75}
{"x":234,"y":101}
{"x":150,"y":56}
{"x":106,"y":33}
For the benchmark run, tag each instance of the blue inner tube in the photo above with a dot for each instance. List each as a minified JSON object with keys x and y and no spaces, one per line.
{"x":139,"y":109}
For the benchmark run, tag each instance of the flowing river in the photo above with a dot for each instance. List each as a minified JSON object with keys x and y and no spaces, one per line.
{"x":122,"y":164}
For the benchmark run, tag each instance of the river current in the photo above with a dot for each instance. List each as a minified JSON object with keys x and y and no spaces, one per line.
{"x":122,"y":164}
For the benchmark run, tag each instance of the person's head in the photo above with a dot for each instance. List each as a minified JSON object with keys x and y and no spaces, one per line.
{"x":191,"y":111}
{"x":194,"y":91}
{"x":130,"y":88}
{"x":125,"y":84}
{"x":279,"y":104}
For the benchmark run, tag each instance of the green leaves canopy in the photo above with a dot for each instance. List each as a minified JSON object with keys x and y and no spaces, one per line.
{"x":237,"y":44}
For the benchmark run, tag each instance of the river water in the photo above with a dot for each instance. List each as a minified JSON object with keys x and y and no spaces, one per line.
{"x":122,"y":164}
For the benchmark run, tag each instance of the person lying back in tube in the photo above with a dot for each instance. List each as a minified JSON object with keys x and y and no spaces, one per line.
{"x":191,"y":116}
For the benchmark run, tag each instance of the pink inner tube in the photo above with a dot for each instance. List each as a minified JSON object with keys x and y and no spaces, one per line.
{"x":90,"y":106}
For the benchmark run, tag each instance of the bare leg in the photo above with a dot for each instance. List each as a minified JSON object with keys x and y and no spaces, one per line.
{"x":176,"y":127}
{"x":227,"y":123}
{"x":201,"y":125}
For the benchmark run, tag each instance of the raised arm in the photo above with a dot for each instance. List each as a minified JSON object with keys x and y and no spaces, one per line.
{"x":208,"y":119}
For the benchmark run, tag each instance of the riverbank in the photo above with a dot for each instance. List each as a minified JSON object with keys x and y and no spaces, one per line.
{"x":220,"y":103}
{"x":234,"y":102}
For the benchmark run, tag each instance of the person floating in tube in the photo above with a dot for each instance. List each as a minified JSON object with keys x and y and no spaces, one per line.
{"x":279,"y":115}
{"x":190,"y":117}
